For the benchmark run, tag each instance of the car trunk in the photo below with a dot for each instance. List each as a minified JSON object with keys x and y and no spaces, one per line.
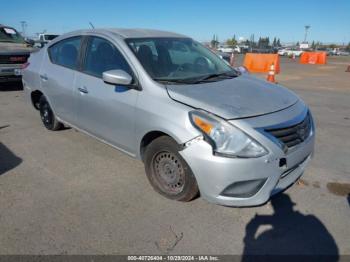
{"x":14,"y":53}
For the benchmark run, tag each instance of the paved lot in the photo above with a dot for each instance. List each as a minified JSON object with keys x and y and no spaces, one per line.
{"x":66,"y":193}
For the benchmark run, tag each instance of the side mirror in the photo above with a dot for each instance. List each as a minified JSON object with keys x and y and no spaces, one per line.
{"x":117,"y":77}
{"x":242,"y":69}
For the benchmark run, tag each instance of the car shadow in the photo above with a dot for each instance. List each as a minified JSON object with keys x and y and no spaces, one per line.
{"x":348,"y":198}
{"x":8,"y":160}
{"x":288,"y":232}
{"x":65,"y":127}
{"x":11,"y":86}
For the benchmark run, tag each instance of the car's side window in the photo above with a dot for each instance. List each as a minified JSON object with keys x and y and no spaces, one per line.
{"x":101,"y":56}
{"x":66,"y":52}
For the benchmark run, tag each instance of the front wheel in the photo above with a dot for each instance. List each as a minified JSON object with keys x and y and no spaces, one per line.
{"x":168,"y":172}
{"x":47,"y":116}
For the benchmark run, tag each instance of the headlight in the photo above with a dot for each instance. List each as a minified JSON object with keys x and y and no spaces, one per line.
{"x":226,"y":139}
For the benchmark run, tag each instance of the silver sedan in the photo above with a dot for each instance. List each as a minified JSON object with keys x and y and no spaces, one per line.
{"x":198,"y":125}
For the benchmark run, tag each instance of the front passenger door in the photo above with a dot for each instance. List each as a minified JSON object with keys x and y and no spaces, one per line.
{"x":105,"y":110}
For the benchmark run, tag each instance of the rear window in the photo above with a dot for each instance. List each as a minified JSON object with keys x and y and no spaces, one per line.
{"x":10,"y":35}
{"x":65,"y":52}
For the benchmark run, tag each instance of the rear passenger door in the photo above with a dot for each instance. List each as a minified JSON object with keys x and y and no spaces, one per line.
{"x":57,"y":76}
{"x":105,"y":110}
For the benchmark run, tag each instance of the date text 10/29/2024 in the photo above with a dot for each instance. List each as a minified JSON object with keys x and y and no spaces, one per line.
{"x":173,"y":258}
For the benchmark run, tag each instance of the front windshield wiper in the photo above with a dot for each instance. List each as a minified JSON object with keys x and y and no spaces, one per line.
{"x":197,"y":80}
{"x":174,"y":81}
{"x":225,"y":75}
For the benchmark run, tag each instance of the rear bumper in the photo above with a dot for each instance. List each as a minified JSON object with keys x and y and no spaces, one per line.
{"x":247,"y":181}
{"x":5,"y":79}
{"x":10,"y":72}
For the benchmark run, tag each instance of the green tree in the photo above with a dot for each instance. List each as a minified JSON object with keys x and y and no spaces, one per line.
{"x":274,"y":43}
{"x":318,"y":44}
{"x":297,"y":44}
{"x":313,"y":45}
{"x":231,"y":42}
{"x":214,"y":42}
{"x":252,"y":41}
{"x":263,"y":42}
{"x":279,"y":43}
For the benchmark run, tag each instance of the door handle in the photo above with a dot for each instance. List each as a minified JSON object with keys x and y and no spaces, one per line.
{"x":83,"y":90}
{"x":44,"y":77}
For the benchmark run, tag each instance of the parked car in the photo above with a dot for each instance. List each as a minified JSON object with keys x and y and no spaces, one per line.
{"x":227,"y":49}
{"x":290,"y":51}
{"x":224,"y":56}
{"x":343,"y":53}
{"x":328,"y":51}
{"x":334,"y":51}
{"x":44,"y":39}
{"x":14,"y":52}
{"x":196,"y":123}
{"x":29,"y":41}
{"x":268,"y":50}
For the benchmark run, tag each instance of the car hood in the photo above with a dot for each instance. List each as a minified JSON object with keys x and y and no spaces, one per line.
{"x":240,"y":97}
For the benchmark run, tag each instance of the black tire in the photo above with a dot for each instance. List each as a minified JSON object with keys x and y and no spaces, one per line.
{"x":168,"y":172}
{"x":47,"y":116}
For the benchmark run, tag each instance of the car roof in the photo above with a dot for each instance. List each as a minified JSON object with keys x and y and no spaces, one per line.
{"x":1,"y":25}
{"x":131,"y":32}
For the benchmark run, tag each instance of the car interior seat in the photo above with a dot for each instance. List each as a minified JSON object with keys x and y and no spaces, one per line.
{"x":144,"y":54}
{"x":165,"y":64}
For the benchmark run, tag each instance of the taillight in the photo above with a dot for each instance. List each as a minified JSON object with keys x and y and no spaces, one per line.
{"x":18,"y":59}
{"x":25,"y":65}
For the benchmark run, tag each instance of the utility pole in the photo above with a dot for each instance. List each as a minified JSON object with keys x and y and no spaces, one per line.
{"x":307,"y":27}
{"x":251,"y":42}
{"x":24,"y":27}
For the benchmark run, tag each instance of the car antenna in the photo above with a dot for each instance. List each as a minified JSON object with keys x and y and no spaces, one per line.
{"x":92,"y":26}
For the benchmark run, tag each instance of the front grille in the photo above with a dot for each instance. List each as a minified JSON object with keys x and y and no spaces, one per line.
{"x":293,"y":135}
{"x":13,"y":59}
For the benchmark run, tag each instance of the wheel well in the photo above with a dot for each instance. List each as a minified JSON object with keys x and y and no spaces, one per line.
{"x":35,"y":98}
{"x":148,"y":138}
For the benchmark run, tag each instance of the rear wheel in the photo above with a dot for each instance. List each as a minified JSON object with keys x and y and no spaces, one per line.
{"x":47,"y":116}
{"x":168,"y":172}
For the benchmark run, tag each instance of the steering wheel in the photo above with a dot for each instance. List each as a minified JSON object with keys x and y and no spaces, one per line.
{"x":201,"y":63}
{"x":180,"y":68}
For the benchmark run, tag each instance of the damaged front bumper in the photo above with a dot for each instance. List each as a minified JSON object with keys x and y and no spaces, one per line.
{"x":247,"y":181}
